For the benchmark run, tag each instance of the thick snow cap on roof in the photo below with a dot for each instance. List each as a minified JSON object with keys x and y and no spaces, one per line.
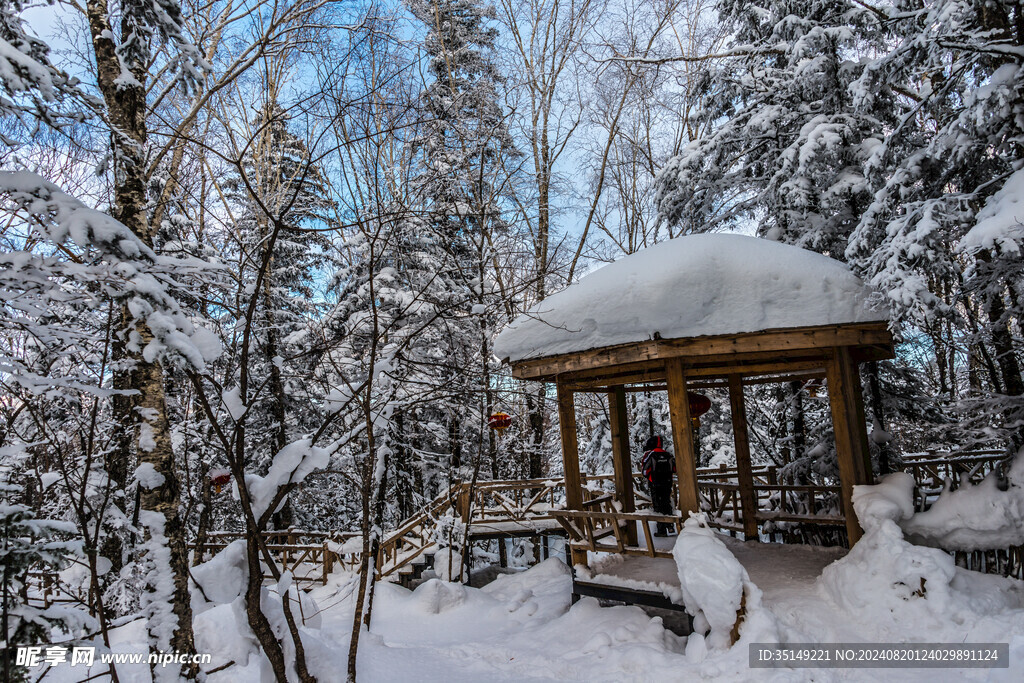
{"x":693,"y":286}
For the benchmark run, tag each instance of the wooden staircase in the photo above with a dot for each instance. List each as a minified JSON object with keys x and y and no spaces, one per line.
{"x":489,"y":509}
{"x":409,"y":549}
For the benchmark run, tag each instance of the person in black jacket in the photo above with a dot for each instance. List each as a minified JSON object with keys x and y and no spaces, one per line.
{"x":658,"y":466}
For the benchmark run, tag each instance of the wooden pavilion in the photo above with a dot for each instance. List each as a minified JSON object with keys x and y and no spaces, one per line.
{"x":684,"y":362}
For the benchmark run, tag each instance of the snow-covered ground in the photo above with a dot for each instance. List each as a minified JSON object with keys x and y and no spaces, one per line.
{"x":521,"y":627}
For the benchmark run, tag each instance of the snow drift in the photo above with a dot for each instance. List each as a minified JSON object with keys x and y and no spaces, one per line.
{"x":905,"y":592}
{"x":717,"y":591}
{"x":980,"y":516}
{"x":691,"y":286}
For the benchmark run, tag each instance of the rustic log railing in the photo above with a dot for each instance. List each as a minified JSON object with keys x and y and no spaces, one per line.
{"x":928,"y":468}
{"x":44,"y":589}
{"x":497,"y":506}
{"x":415,"y":537}
{"x":520,"y":501}
{"x":601,"y":527}
{"x":1003,"y":561}
{"x":309,"y":555}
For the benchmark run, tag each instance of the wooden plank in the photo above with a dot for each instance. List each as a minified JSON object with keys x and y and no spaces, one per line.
{"x":632,"y":373}
{"x":782,"y":516}
{"x":621,"y":456}
{"x":797,"y":375}
{"x":629,"y":596}
{"x":848,"y":422}
{"x":744,"y":474}
{"x":782,"y":366}
{"x":769,"y":341}
{"x":570,"y":458}
{"x":607,"y":516}
{"x":682,"y":437}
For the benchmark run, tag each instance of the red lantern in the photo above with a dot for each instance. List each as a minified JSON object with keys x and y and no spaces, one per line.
{"x":499,"y":422}
{"x":699,"y":404}
{"x":814,"y":386}
{"x":219,"y":479}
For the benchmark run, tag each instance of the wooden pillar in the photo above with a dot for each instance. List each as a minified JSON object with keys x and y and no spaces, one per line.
{"x":621,"y":456}
{"x":748,"y":498}
{"x":570,"y":459}
{"x":682,"y":437}
{"x":850,"y":426}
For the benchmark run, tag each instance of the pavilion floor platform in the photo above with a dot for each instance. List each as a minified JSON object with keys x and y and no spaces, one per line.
{"x":782,"y":571}
{"x":482,"y":530}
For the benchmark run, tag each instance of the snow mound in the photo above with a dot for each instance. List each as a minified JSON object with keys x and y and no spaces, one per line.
{"x":222,"y":578}
{"x":715,"y":588}
{"x":435,"y":596}
{"x":887,"y":582}
{"x":975,"y":517}
{"x":891,"y":499}
{"x":691,"y":286}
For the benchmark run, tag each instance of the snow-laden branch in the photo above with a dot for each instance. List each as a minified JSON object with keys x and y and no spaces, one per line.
{"x":742,"y":51}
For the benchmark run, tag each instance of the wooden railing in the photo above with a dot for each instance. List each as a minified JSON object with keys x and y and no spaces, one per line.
{"x":44,"y":589}
{"x":309,"y":555}
{"x":600,"y":525}
{"x":932,"y":473}
{"x":935,"y":469}
{"x":415,"y":537}
{"x":1003,"y":561}
{"x":520,"y":502}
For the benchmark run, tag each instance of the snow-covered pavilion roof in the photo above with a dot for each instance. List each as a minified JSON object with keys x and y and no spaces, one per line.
{"x":693,"y":286}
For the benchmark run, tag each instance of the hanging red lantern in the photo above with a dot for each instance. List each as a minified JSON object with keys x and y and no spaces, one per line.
{"x":499,"y":422}
{"x":814,"y":386}
{"x":699,"y":404}
{"x":219,"y":479}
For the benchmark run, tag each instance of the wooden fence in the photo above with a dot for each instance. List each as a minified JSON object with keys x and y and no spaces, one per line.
{"x":309,"y":555}
{"x":44,"y":589}
{"x":795,"y":512}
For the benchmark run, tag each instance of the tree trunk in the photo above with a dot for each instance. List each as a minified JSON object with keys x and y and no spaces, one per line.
{"x":799,"y":431}
{"x":126,"y":109}
{"x":254,"y":610}
{"x":886,"y":457}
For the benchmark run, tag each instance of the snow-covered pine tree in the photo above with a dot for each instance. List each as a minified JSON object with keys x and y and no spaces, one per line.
{"x":785,"y":145}
{"x":36,"y":91}
{"x":29,"y":544}
{"x":463,"y":147}
{"x":278,"y":191}
{"x":942,"y":236}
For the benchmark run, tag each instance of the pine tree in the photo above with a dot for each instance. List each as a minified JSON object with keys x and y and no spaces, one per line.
{"x":941,"y":238}
{"x":279,"y":189}
{"x":786,"y":145}
{"x":29,"y":544}
{"x":463,"y":146}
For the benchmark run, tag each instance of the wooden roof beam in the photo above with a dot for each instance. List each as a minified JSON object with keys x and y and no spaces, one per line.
{"x":824,"y":337}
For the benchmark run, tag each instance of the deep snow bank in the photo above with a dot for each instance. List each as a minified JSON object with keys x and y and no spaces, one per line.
{"x":717,"y":591}
{"x":975,"y":516}
{"x":900,"y":592}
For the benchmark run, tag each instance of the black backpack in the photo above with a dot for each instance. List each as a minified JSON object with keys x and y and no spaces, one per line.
{"x":661,"y":465}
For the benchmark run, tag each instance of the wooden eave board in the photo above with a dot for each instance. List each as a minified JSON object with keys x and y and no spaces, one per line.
{"x":644,"y":361}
